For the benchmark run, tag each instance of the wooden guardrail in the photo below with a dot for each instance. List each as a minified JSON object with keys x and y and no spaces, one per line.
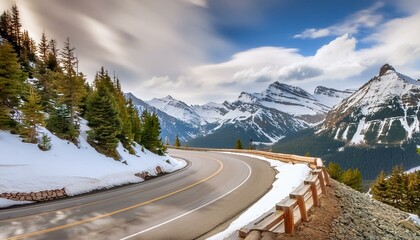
{"x":292,"y":210}
{"x":312,"y":162}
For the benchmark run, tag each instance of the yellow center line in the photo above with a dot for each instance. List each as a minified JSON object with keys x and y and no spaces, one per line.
{"x":68,"y":225}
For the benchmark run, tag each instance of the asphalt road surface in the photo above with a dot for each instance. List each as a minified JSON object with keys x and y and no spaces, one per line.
{"x":188,"y":204}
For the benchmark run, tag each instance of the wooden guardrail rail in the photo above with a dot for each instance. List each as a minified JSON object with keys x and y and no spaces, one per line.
{"x":292,"y":210}
{"x":312,"y":162}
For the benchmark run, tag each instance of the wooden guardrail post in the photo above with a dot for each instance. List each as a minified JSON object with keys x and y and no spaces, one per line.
{"x":312,"y":183}
{"x":326,"y":176}
{"x":288,"y":205}
{"x":321,"y":180}
{"x":302,"y":207}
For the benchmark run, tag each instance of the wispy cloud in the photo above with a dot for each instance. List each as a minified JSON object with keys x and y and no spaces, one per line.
{"x":366,"y":18}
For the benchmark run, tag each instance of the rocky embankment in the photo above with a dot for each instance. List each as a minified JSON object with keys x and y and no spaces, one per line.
{"x":348,"y":214}
{"x":364,"y":218}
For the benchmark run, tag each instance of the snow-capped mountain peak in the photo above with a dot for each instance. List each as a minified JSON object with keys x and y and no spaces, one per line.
{"x":385,"y":110}
{"x":177,"y":109}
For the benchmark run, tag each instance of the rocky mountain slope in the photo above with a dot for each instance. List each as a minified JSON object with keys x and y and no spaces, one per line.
{"x":264,"y":117}
{"x":383,"y":111}
{"x":374,"y":129}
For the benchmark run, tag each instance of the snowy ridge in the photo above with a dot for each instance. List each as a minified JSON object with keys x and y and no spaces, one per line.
{"x":331,"y":97}
{"x":177,"y":109}
{"x":386,"y":110}
{"x":265,"y":117}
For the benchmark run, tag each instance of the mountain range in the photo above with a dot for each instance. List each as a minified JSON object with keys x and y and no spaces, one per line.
{"x":258,"y":118}
{"x":374,"y":129}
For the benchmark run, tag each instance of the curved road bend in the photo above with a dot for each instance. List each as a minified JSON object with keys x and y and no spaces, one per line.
{"x":185,"y":205}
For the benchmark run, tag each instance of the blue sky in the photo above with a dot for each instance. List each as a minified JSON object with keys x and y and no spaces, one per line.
{"x":211,"y":50}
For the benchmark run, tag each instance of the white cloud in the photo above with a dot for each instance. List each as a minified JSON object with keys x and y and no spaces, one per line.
{"x":338,"y":64}
{"x":366,"y":18}
{"x":137,"y":39}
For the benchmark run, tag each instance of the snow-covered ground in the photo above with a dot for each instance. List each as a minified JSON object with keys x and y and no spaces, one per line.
{"x":288,"y":178}
{"x":25,"y":168}
{"x":413,"y":169}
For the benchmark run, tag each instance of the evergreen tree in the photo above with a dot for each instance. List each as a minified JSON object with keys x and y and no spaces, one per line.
{"x":11,"y":84}
{"x":334,"y":170}
{"x":72,"y":84}
{"x":238,"y":144}
{"x":32,"y":115}
{"x":126,"y":134}
{"x":380,"y":188}
{"x":396,"y":188}
{"x":15,"y":27}
{"x":102,"y":117}
{"x":135,"y":121}
{"x":177,"y":142}
{"x":43,"y":53}
{"x":52,"y":60}
{"x":59,"y":123}
{"x":150,"y":134}
{"x":6,"y":25}
{"x":352,"y":178}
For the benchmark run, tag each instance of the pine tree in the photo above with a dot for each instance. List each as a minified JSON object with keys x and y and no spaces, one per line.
{"x":334,"y":170}
{"x":32,"y":115}
{"x":102,"y":117}
{"x":150,"y":134}
{"x":52,"y":61}
{"x":43,"y":53}
{"x":135,"y":121}
{"x":380,"y":188}
{"x":72,"y":84}
{"x":177,"y":142}
{"x":238,"y":144}
{"x":126,"y":134}
{"x":6,"y":25}
{"x":59,"y":123}
{"x":396,"y":187}
{"x":11,"y":83}
{"x":352,"y":178}
{"x":15,"y":27}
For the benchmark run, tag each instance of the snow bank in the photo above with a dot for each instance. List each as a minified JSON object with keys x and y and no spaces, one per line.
{"x":25,"y":168}
{"x":7,"y":203}
{"x":288,"y":178}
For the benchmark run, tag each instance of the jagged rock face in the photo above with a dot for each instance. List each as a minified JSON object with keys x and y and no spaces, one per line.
{"x":383,"y":111}
{"x":385,"y":69}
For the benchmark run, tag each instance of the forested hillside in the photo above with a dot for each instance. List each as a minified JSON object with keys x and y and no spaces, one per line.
{"x":41,"y":85}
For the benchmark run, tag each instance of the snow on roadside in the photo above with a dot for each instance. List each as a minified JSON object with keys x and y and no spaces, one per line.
{"x":7,"y":203}
{"x":288,"y":178}
{"x":25,"y":168}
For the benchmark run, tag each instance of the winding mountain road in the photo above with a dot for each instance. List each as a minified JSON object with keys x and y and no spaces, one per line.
{"x":212,"y":190}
